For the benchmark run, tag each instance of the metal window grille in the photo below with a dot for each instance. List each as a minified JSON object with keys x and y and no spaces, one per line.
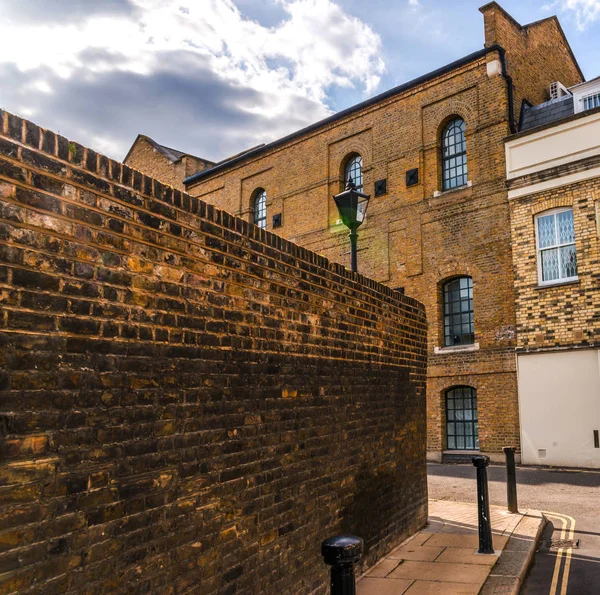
{"x":462,"y":425}
{"x":591,"y":102}
{"x":354,"y":171}
{"x":454,"y":155}
{"x":260,"y":209}
{"x":459,"y":327}
{"x":557,"y":255}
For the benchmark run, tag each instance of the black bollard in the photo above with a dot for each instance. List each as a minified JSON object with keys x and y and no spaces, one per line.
{"x":342,"y":552}
{"x":511,"y":479}
{"x":483,"y":505}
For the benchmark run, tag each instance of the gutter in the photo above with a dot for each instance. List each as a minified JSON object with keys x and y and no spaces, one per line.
{"x":359,"y":106}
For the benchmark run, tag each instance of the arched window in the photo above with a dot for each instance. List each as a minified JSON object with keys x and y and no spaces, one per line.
{"x":260,"y":208}
{"x":459,"y":327}
{"x":454,"y":155}
{"x":353,"y":170}
{"x":462,"y":426}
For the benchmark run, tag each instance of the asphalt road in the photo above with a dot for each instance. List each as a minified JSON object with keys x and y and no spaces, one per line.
{"x":574,"y":497}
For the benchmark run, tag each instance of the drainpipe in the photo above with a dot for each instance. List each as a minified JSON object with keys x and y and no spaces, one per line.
{"x":509,"y":84}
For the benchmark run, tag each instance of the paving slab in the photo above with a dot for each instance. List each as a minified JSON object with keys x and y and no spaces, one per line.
{"x":442,"y":559}
{"x":467,"y":556}
{"x":423,"y":553}
{"x":461,"y":540}
{"x":440,"y":572}
{"x":381,"y":586}
{"x":433,"y":588}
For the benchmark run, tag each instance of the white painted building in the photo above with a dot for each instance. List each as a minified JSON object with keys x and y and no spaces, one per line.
{"x":553,"y":176}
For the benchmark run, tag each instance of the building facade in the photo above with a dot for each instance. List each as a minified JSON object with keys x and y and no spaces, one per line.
{"x":168,"y":165}
{"x":431,"y":155}
{"x":553,"y":170}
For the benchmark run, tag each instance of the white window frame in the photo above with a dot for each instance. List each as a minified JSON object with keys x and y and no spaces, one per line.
{"x":539,"y":250}
{"x":587,"y":97}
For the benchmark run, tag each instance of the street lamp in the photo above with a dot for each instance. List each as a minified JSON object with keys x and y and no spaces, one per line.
{"x":352,"y":206}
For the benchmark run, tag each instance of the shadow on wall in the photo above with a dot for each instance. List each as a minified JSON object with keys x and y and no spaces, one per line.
{"x":367,"y":515}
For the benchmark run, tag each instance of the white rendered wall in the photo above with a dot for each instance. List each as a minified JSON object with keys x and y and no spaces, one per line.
{"x":559,"y":400}
{"x":554,"y":146}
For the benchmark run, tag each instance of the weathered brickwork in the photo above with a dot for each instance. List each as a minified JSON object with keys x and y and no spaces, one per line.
{"x":416,"y":237}
{"x":563,"y":315}
{"x":147,"y":160}
{"x":188,"y":404}
{"x":530,"y":51}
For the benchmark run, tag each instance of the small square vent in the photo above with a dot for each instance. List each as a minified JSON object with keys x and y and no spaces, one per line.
{"x":380,"y":187}
{"x":412,"y":177}
{"x":276,"y":220}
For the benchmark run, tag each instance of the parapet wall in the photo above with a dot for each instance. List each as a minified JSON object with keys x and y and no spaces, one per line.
{"x":188,"y":404}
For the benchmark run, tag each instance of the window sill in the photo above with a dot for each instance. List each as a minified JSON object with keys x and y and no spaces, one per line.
{"x":438,"y":193}
{"x":558,"y":284}
{"x":456,"y":349}
{"x":461,"y":452}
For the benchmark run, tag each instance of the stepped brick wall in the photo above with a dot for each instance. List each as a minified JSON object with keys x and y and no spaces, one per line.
{"x":188,"y":404}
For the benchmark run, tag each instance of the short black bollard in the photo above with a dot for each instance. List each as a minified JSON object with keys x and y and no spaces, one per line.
{"x":511,"y":479}
{"x":342,"y":552}
{"x":483,"y":505}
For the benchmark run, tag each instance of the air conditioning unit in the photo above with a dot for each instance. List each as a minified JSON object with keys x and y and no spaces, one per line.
{"x":557,"y":90}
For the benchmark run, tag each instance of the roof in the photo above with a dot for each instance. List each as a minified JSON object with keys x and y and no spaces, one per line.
{"x":545,"y":113}
{"x":172,"y":155}
{"x":342,"y":114}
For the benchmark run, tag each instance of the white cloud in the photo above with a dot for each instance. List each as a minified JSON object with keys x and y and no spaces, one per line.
{"x":585,"y":11}
{"x":317,"y":46}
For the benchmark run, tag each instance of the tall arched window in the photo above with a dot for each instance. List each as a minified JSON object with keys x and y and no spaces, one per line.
{"x":353,"y":170}
{"x":459,"y":327}
{"x":462,"y":426}
{"x":260,"y":208}
{"x":454,"y":155}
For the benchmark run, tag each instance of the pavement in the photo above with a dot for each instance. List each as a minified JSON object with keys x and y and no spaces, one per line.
{"x":442,"y":559}
{"x":570,"y":499}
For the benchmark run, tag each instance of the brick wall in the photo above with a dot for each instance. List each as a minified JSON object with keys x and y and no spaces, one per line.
{"x":413,"y":237}
{"x":536,"y":55}
{"x":147,"y":160}
{"x":188,"y":404}
{"x":563,"y":315}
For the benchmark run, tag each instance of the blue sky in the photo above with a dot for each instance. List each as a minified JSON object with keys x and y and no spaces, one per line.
{"x":213,"y":77}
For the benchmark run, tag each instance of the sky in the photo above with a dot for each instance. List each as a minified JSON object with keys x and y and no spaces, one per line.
{"x":215,"y":77}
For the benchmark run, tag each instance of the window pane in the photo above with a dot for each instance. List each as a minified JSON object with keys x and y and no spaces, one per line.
{"x":566,"y":231}
{"x":550,"y":268}
{"x":458,"y":312}
{"x":260,"y":209}
{"x":568,"y":262}
{"x":354,"y":171}
{"x":454,"y":160}
{"x":461,"y":404}
{"x":546,"y":231}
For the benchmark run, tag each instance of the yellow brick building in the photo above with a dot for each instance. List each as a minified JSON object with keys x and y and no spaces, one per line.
{"x":553,"y":169}
{"x":431,"y":155}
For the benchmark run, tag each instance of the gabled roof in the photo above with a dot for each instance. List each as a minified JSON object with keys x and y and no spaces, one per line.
{"x":172,"y":155}
{"x":535,"y":24}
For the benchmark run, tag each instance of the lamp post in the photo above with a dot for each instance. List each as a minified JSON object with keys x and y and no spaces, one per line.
{"x":352,"y":206}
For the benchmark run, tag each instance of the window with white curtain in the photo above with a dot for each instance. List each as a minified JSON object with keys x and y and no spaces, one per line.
{"x":555,"y":238}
